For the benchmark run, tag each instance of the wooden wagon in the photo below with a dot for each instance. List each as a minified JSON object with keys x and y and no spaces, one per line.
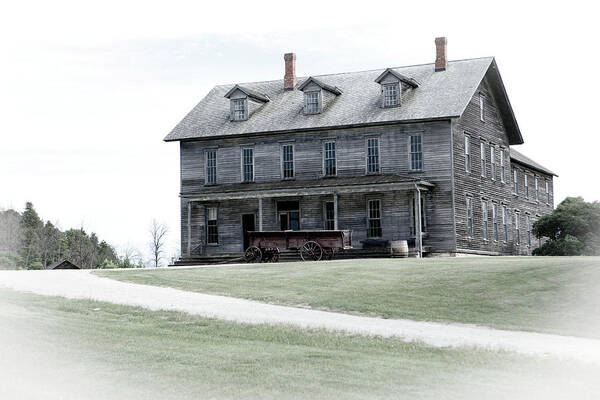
{"x":312,"y":245}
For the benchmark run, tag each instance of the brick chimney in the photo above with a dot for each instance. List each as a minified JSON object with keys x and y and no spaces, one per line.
{"x":289,"y":80}
{"x":441,"y":58}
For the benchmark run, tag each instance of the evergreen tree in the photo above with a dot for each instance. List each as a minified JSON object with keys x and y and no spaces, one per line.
{"x":31,"y":225}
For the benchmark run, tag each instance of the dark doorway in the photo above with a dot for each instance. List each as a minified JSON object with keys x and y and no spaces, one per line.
{"x":289,"y":215}
{"x":248,"y":225}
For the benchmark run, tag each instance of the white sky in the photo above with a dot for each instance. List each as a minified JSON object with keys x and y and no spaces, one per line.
{"x":89,"y":90}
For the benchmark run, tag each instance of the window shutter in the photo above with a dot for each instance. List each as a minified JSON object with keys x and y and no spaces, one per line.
{"x":231,"y":110}
{"x":305,"y":103}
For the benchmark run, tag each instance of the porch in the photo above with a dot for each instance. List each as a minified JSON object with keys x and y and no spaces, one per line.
{"x":215,"y":221}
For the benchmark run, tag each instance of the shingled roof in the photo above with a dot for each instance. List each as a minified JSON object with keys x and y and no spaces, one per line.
{"x":440,"y":95}
{"x":528,"y":162}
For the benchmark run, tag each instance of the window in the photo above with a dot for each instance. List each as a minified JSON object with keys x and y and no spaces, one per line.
{"x":515,"y":182}
{"x":212,"y":234}
{"x":547,"y":192}
{"x":289,"y":215}
{"x":413,"y":209}
{"x":372,"y":155}
{"x":517,"y":229}
{"x":467,"y":153}
{"x":312,"y":102}
{"x":504,"y":227}
{"x":537,"y":189}
{"x":493,"y":162}
{"x":248,"y":164}
{"x":481,"y":107}
{"x":211,"y":167}
{"x":502,"y":176}
{"x":484,"y":218}
{"x":239,"y":109}
{"x":469,"y":217}
{"x":287,"y":160}
{"x":374,"y":219}
{"x":482,"y":147}
{"x":329,"y":216}
{"x":391,"y":94}
{"x":416,"y":152}
{"x":526,"y":183}
{"x":495,"y":220}
{"x":329,"y":159}
{"x":528,"y":227}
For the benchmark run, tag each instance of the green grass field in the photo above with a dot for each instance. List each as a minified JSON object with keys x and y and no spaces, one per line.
{"x":71,"y":349}
{"x":546,"y":294}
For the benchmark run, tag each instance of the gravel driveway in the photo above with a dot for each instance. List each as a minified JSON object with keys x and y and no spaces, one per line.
{"x":83,"y":285}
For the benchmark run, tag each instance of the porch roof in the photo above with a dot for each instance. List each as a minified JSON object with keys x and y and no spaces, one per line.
{"x":323,"y":186}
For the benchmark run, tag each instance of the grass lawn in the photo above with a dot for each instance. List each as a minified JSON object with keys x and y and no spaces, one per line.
{"x":546,"y":294}
{"x":72,"y":349}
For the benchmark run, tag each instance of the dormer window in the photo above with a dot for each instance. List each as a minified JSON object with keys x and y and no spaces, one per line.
{"x":239,"y":98}
{"x":392,"y":84}
{"x":312,"y":102}
{"x":315,"y":92}
{"x":239,"y":110}
{"x":391,"y":94}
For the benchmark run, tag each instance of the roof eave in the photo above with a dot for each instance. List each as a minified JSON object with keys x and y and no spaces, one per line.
{"x":313,"y":129}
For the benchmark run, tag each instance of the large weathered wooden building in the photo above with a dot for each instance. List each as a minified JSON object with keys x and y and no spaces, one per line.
{"x":366,"y":151}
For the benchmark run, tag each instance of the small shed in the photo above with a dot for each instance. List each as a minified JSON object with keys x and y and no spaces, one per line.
{"x":63,"y":264}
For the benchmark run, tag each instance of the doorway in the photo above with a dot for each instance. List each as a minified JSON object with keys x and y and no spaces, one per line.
{"x":289,"y":215}
{"x":248,"y":225}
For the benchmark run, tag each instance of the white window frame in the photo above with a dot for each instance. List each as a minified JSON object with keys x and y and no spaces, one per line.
{"x":502,"y":169}
{"x":237,"y":106}
{"x":485,"y":220}
{"x":376,"y":156}
{"x":207,"y":168}
{"x":325,"y":158}
{"x":547,"y":192}
{"x":517,"y":229}
{"x":243,"y":164}
{"x":526,"y":185}
{"x":537,"y":189}
{"x":209,"y":218}
{"x":308,"y":103}
{"x":469,"y":216}
{"x":504,"y":224}
{"x":528,"y":227}
{"x":467,"y":153}
{"x":283,"y":161}
{"x":495,"y":222}
{"x":515,"y":181}
{"x":369,"y":218}
{"x":483,"y":159}
{"x":411,"y":153}
{"x":393,"y":100}
{"x":482,"y":107}
{"x":493,"y":162}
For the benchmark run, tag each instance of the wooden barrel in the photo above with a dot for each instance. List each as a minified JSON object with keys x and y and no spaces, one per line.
{"x":399,"y":248}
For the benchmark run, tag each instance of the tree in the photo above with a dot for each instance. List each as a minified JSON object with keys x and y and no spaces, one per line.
{"x":158,"y":235}
{"x":573,"y":228}
{"x":31,"y":225}
{"x":11,"y":238}
{"x":49,"y":242}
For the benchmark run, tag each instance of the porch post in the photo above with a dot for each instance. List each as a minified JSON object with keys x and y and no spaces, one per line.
{"x":335,"y":211}
{"x":260,"y":214}
{"x":189,"y":228}
{"x":418,"y":235}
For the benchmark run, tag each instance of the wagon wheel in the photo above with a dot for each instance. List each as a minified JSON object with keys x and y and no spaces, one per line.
{"x":276,"y":253}
{"x":311,"y":251}
{"x":328,"y":253}
{"x":253,"y":254}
